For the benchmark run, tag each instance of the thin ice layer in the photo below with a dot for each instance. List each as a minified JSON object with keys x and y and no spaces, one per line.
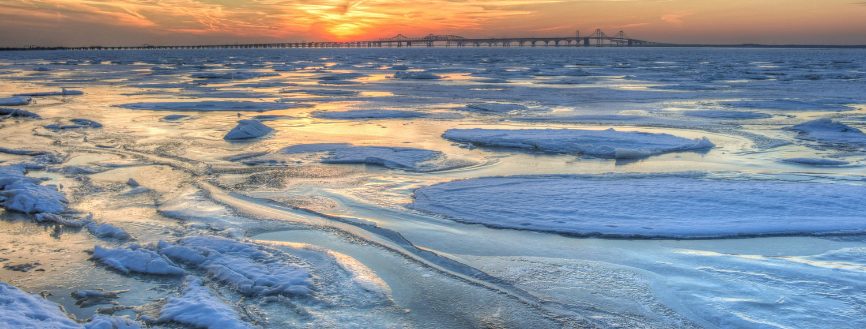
{"x":610,"y":143}
{"x":674,"y":206}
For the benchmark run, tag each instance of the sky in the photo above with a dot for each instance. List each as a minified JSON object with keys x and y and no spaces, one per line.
{"x":172,"y":22}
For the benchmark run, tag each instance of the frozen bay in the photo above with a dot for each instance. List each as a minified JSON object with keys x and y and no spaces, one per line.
{"x":435,"y":188}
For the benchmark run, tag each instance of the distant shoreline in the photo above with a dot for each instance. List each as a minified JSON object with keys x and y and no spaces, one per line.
{"x":253,"y":46}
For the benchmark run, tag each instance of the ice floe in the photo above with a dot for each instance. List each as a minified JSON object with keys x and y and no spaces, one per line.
{"x":23,"y":194}
{"x":111,"y":322}
{"x":248,"y":129}
{"x":205,"y":106}
{"x":62,"y":92}
{"x":610,"y":143}
{"x":494,"y":107}
{"x":820,"y":162}
{"x":175,"y":117}
{"x":323,"y":92}
{"x":18,"y":113}
{"x":727,"y":114}
{"x":15,"y":101}
{"x":19,"y":309}
{"x":416,"y":75}
{"x":368,"y":114}
{"x":135,"y":259}
{"x":108,"y":231}
{"x":831,"y":132}
{"x":198,"y":307}
{"x":232,"y":75}
{"x":789,"y":105}
{"x":74,"y":124}
{"x":671,"y":206}
{"x":406,"y":158}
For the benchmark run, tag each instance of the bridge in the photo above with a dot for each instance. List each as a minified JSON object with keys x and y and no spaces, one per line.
{"x":596,"y":39}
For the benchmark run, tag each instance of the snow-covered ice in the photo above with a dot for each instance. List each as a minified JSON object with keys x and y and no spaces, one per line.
{"x":136,"y":259}
{"x":108,"y":231}
{"x":250,"y":269}
{"x":248,"y":129}
{"x":670,"y":206}
{"x":19,"y":309}
{"x":23,"y":194}
{"x":608,"y":143}
{"x":199,"y":308}
{"x":830,"y":132}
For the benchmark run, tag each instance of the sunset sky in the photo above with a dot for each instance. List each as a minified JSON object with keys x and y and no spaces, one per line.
{"x":136,"y":22}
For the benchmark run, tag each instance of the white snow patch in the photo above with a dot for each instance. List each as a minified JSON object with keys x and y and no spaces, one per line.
{"x":671,"y":206}
{"x":610,"y":144}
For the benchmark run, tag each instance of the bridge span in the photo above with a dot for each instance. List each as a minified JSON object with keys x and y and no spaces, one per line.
{"x":596,"y":39}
